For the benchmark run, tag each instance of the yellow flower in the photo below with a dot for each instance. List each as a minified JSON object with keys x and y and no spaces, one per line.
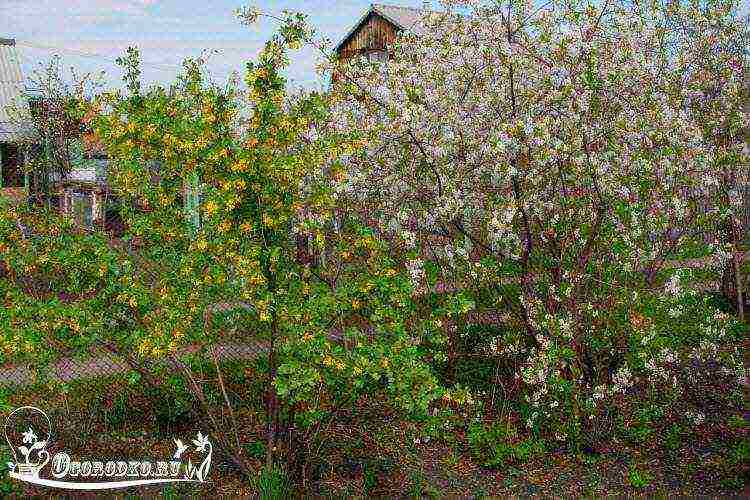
{"x":225,"y":226}
{"x":210,"y":207}
{"x":356,"y":304}
{"x":144,"y":347}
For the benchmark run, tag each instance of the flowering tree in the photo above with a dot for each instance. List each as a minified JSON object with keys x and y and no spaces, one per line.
{"x":557,"y":157}
{"x":333,"y":327}
{"x":55,"y":140}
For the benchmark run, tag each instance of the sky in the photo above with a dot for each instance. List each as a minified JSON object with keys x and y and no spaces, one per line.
{"x":90,"y":34}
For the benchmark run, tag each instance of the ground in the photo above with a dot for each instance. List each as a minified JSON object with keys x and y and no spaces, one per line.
{"x":373,"y":452}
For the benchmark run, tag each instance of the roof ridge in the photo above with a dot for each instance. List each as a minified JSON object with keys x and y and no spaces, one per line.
{"x":413,"y":9}
{"x":403,"y":18}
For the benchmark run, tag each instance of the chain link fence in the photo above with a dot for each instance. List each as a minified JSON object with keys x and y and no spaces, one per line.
{"x":105,"y":364}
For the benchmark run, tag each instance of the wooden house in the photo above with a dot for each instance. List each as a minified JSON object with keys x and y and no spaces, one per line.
{"x":376,"y":30}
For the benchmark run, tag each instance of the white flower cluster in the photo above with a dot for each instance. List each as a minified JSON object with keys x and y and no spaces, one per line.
{"x":416,"y":273}
{"x":696,"y":418}
{"x":622,"y":380}
{"x":673,"y":286}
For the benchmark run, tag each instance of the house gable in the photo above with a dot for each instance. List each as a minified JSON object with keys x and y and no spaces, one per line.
{"x":373,"y":32}
{"x":377,"y":28}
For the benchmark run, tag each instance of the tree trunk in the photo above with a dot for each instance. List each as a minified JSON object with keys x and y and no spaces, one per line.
{"x":272,"y":401}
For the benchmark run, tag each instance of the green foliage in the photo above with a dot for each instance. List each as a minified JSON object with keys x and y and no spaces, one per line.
{"x":116,"y":415}
{"x":441,"y":425}
{"x":8,"y":487}
{"x":673,"y":437}
{"x":256,"y":449}
{"x":586,"y":340}
{"x":273,"y":484}
{"x":474,"y":366}
{"x":740,"y":452}
{"x":181,"y":400}
{"x":496,"y":445}
{"x":639,"y":478}
{"x":370,"y":477}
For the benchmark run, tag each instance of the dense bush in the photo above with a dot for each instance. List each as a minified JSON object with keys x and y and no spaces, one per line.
{"x":560,"y":156}
{"x":475,"y":236}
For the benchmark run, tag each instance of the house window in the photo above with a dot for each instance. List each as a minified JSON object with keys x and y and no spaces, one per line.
{"x":12,"y":171}
{"x":82,"y":209}
{"x":377,"y":56}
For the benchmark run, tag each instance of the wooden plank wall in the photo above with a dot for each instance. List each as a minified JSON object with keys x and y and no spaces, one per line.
{"x":374,"y":34}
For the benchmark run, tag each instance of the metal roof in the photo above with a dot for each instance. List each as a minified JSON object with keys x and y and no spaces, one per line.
{"x":404,"y":18}
{"x":11,"y":91}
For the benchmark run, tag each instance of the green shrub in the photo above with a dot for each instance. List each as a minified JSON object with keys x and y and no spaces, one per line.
{"x":8,"y":487}
{"x":256,"y":449}
{"x":117,"y":414}
{"x":180,"y":402}
{"x":496,"y":445}
{"x":673,"y":438}
{"x":273,"y":484}
{"x":639,"y":478}
{"x":740,"y":452}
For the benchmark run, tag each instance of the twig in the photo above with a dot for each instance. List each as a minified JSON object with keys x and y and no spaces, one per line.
{"x":226,"y":398}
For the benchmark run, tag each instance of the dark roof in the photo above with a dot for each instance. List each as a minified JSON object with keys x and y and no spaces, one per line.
{"x":403,"y":18}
